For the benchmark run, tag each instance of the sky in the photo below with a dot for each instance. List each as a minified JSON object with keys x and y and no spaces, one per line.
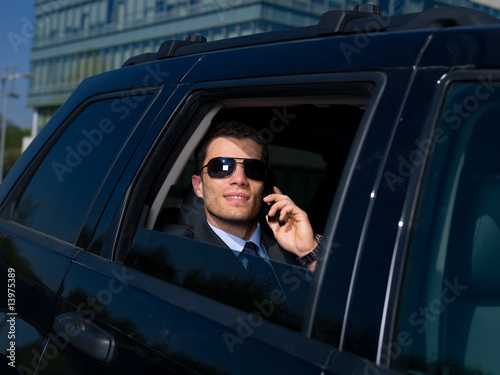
{"x":16,"y":34}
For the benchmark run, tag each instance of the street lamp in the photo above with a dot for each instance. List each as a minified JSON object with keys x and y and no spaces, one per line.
{"x":8,"y":77}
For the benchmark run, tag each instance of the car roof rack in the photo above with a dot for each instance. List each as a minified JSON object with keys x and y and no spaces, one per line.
{"x":365,"y":18}
{"x":436,"y":18}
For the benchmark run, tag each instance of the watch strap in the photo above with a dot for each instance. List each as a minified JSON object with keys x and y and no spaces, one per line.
{"x":306,"y":260}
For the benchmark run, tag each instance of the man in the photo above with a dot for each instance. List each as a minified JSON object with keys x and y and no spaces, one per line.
{"x":232,"y":165}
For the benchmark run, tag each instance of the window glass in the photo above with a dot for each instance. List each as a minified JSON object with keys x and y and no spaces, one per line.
{"x":449,"y":317}
{"x":224,"y":275}
{"x":63,"y":187}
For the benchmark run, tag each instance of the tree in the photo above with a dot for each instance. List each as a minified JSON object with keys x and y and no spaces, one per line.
{"x":13,"y":144}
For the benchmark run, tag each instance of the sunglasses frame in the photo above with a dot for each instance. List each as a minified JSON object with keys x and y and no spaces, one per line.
{"x":235,"y":162}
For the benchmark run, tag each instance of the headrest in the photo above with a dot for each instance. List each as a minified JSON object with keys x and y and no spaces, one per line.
{"x":192,"y":209}
{"x":485,"y":256}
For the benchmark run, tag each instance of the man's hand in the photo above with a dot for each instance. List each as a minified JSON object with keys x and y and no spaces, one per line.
{"x":296,"y":235}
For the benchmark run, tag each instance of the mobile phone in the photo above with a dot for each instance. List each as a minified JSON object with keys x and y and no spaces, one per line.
{"x":268,"y":189}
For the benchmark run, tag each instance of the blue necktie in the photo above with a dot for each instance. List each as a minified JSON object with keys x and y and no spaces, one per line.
{"x":250,"y":248}
{"x":266,"y":280}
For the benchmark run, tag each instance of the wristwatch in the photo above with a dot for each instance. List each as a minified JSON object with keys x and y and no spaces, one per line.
{"x":306,"y":260}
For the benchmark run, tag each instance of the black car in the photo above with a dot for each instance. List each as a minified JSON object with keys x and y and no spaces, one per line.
{"x":385,"y":129}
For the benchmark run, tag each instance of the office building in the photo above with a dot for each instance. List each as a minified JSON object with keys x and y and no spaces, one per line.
{"x":75,"y":39}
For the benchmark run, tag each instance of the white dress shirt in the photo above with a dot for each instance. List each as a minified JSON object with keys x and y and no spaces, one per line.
{"x":235,"y":243}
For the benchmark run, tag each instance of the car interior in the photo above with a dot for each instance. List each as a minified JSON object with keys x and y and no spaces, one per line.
{"x":308,"y":147}
{"x":473,"y":250}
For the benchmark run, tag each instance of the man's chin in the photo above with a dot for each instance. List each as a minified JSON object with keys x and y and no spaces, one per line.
{"x":234,"y":219}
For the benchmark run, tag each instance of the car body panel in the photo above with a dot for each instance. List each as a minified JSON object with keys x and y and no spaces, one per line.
{"x":38,"y":273}
{"x":467,"y":47}
{"x":155,"y":313}
{"x":351,"y":53}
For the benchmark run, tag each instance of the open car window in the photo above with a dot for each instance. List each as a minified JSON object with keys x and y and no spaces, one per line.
{"x":309,"y":140}
{"x":308,"y":146}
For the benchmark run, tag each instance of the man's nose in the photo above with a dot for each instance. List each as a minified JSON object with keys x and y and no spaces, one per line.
{"x":239,"y":175}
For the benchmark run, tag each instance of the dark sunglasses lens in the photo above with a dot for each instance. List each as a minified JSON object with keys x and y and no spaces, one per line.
{"x":255,"y":169}
{"x":220,"y":167}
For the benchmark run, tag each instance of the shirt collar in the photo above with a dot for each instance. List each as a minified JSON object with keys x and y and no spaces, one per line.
{"x":236,"y":243}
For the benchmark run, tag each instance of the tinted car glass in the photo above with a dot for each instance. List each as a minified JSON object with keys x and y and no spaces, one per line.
{"x":224,"y":275}
{"x":61,"y":191}
{"x":450,"y":314}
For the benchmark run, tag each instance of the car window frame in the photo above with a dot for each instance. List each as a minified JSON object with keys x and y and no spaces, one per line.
{"x":209,"y":92}
{"x":25,"y":179}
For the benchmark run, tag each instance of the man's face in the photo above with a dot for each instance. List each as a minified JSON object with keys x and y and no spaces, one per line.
{"x":235,"y":199}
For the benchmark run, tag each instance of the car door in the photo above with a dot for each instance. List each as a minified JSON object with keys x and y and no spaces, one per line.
{"x":85,"y":336}
{"x":438,"y":293}
{"x":48,"y":203}
{"x":171,"y":303}
{"x":40,"y":228}
{"x":449,"y":320}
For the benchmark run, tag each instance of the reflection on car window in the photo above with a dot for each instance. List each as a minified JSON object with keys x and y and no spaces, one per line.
{"x":450,"y":314}
{"x":61,"y":191}
{"x":224,"y":275}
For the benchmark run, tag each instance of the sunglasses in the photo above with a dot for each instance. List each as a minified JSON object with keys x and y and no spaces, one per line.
{"x":222,"y":167}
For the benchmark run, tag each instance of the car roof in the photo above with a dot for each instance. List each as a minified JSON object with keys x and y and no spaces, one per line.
{"x":365,"y":19}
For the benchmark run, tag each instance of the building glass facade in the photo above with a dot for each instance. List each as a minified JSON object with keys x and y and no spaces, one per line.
{"x":75,"y":39}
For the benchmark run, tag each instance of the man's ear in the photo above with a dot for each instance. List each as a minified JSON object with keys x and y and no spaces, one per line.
{"x":197,"y":185}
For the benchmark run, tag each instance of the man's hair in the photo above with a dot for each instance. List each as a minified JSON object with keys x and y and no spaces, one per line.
{"x":229,"y":129}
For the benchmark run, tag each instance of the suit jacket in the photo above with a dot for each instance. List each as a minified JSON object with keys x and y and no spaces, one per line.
{"x":203,"y":233}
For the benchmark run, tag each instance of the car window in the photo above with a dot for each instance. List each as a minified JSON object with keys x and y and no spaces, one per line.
{"x":309,"y":140}
{"x":60,"y":193}
{"x":449,"y":318}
